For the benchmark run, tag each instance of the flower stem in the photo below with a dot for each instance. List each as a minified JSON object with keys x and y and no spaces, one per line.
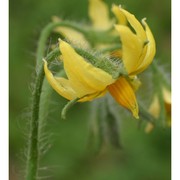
{"x":33,"y":146}
{"x":33,"y":154}
{"x":46,"y":32}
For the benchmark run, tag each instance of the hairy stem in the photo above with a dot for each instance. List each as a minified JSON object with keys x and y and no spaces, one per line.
{"x":33,"y":156}
{"x":33,"y":148}
{"x":46,"y":32}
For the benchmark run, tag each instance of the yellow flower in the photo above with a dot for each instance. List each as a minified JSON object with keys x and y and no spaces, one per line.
{"x":87,"y":82}
{"x":99,"y":15}
{"x":123,"y":93}
{"x":155,"y":108}
{"x":84,"y":80}
{"x":138,"y":49}
{"x":100,"y":20}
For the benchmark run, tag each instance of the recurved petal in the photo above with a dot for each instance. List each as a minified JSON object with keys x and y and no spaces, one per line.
{"x":151,"y":49}
{"x":84,"y":77}
{"x":119,"y":15}
{"x":131,"y":48}
{"x":124,"y":95}
{"x":99,"y":15}
{"x":138,"y":28}
{"x":60,"y":85}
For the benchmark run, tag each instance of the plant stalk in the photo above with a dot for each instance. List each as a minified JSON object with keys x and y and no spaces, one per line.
{"x":33,"y":144}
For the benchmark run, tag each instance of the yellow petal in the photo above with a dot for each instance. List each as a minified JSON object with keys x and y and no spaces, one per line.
{"x":60,"y":85}
{"x":124,"y":95}
{"x":90,"y":97}
{"x":131,"y":48}
{"x":151,"y":49}
{"x":135,"y":24}
{"x":99,"y":15}
{"x":154,"y":108}
{"x":83,"y":76}
{"x":143,"y":35}
{"x":119,"y":15}
{"x":71,"y":34}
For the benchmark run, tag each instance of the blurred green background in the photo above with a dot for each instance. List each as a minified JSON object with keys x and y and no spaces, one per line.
{"x":143,"y":157}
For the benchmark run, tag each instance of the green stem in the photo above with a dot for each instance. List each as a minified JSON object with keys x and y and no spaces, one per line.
{"x":47,"y":31}
{"x":33,"y":145}
{"x":33,"y":156}
{"x":67,"y":107}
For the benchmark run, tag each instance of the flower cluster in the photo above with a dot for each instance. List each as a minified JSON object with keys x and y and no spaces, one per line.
{"x":87,"y":81}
